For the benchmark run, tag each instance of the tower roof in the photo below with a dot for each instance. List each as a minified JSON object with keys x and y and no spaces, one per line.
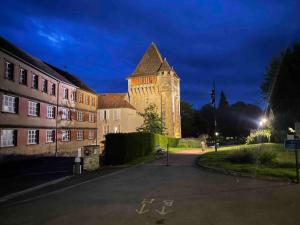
{"x":165,"y":66}
{"x":150,"y":62}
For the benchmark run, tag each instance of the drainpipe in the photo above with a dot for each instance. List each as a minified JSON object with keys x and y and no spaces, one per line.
{"x":56,"y":119}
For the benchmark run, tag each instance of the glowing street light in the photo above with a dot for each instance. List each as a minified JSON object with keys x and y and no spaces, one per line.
{"x":217,"y":133}
{"x":262,"y":122}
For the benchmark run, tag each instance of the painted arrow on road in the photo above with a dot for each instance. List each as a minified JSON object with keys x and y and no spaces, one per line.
{"x":142,"y":210}
{"x":163,"y":211}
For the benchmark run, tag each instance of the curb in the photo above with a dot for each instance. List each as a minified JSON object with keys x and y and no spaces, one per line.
{"x":16,"y":194}
{"x":239,"y":174}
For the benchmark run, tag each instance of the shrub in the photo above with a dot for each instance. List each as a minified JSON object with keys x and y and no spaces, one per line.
{"x":242,"y":156}
{"x":278,"y":136}
{"x":267,"y":157}
{"x":259,"y":136}
{"x":189,"y":143}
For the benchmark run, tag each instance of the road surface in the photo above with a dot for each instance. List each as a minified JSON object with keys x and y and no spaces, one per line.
{"x":154,"y":193}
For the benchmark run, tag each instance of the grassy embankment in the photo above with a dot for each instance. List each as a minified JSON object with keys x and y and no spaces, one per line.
{"x":257,"y":160}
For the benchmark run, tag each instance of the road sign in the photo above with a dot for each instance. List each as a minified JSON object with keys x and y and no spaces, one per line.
{"x":292,"y":144}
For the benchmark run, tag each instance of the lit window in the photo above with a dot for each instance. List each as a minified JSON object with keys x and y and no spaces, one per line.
{"x":9,"y":104}
{"x":45,"y":86}
{"x":8,"y":138}
{"x":65,"y":135}
{"x":9,"y":71}
{"x":50,"y":111}
{"x":93,"y":101}
{"x":33,"y":108}
{"x":23,"y":76}
{"x":91,"y":117}
{"x":53,"y":89}
{"x":73,"y":96}
{"x":86,"y":99}
{"x":66,"y":93}
{"x":50,"y":136}
{"x":80,"y":97}
{"x":91,"y":134}
{"x":33,"y":137}
{"x":35,"y":81}
{"x":79,"y":135}
{"x":66,"y":114}
{"x":79,"y":116}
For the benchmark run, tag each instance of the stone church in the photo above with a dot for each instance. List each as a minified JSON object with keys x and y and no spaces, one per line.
{"x":154,"y":81}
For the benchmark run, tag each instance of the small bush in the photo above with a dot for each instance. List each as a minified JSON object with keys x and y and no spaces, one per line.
{"x":189,"y":143}
{"x":259,"y":136}
{"x":242,"y":156}
{"x":267,"y":157}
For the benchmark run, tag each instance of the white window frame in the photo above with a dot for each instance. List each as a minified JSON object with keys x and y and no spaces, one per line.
{"x":7,"y":70}
{"x":65,"y":135}
{"x":53,"y":89}
{"x":50,"y":136}
{"x":45,"y":86}
{"x":66,"y":93}
{"x":65,"y":114}
{"x":9,"y":104}
{"x":73,"y":96}
{"x":80,"y":116}
{"x":117,"y":114}
{"x":79,"y":135}
{"x":33,"y":83}
{"x":91,"y":134}
{"x":23,"y":76}
{"x":32,"y":137}
{"x":33,"y":108}
{"x":50,"y":112}
{"x":7,"y":138}
{"x":91,"y":117}
{"x":86,"y":99}
{"x":80,"y":98}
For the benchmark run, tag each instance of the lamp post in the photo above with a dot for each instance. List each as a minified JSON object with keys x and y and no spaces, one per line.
{"x":213,"y":102}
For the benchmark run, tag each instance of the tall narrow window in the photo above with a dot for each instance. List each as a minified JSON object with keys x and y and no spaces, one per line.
{"x":91,"y":134}
{"x":9,"y":71}
{"x":65,"y":114}
{"x":79,"y":116}
{"x":50,"y":112}
{"x":45,"y":86}
{"x":79,"y":135}
{"x":9,"y":104}
{"x":53,"y":89}
{"x":66,"y":93}
{"x":33,"y":137}
{"x":8,"y":138}
{"x":80,"y":98}
{"x":33,"y":108}
{"x":23,"y":76}
{"x":65,"y":135}
{"x":50,"y":136}
{"x":35,"y":81}
{"x":73,"y":96}
{"x":93,"y":101}
{"x":86,"y":99}
{"x":91,"y":117}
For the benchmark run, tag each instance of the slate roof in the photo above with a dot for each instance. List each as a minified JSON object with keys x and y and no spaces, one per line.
{"x":151,"y":63}
{"x":113,"y":100}
{"x":73,"y":79}
{"x":14,"y":51}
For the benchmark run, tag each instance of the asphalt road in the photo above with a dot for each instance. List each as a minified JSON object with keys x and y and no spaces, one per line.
{"x":157,"y":194}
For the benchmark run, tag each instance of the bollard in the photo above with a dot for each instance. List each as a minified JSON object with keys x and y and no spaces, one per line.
{"x":77,"y":166}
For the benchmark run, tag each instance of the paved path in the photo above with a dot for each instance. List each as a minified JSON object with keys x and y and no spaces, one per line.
{"x":157,"y":194}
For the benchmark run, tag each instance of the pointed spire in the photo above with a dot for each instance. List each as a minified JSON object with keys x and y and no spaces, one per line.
{"x":165,"y":66}
{"x":150,"y":62}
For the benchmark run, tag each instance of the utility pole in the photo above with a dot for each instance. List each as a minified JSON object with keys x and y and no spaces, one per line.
{"x":213,"y":102}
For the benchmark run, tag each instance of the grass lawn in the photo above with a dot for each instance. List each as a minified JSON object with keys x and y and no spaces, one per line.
{"x":282,"y":167}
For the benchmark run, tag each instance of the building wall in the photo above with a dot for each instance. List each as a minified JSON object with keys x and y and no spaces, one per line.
{"x":163,"y":90}
{"x":128,"y":122}
{"x":22,"y":122}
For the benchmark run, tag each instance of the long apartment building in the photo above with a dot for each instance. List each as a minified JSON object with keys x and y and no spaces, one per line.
{"x":44,"y":110}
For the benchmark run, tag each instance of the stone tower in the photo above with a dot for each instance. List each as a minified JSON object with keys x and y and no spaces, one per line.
{"x":155,"y":81}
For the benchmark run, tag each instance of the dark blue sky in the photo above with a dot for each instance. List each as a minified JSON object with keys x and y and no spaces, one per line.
{"x":231,"y":41}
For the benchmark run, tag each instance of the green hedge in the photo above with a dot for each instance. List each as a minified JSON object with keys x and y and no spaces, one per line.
{"x":122,"y":148}
{"x":189,"y":143}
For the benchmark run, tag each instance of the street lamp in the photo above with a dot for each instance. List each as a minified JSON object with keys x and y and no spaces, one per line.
{"x":263,"y":122}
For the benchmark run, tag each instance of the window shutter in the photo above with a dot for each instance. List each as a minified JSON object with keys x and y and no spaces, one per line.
{"x":37,"y":136}
{"x":54,"y":112}
{"x":17,"y":105}
{"x":38,"y":109}
{"x":15,"y":137}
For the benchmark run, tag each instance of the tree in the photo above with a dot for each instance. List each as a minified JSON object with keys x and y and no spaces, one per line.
{"x":223,"y":116}
{"x":269,"y":76}
{"x":188,"y":126}
{"x":152,"y":121}
{"x":223,"y":104}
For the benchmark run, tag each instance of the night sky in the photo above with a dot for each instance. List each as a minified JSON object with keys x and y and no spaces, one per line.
{"x":231,"y":41}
